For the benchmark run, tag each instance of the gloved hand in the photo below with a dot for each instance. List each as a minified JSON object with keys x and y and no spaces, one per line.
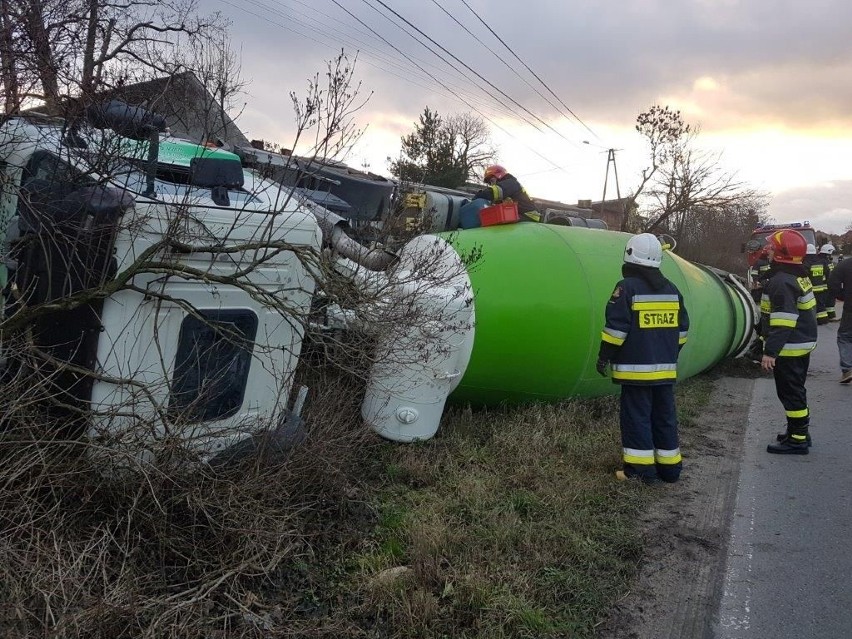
{"x":601,"y":365}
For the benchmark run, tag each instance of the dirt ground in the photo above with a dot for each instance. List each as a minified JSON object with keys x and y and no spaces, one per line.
{"x":686,"y":531}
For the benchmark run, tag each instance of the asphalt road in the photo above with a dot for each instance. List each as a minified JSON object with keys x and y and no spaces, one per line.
{"x":788,"y":571}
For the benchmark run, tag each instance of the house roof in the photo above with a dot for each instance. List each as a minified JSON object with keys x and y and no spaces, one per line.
{"x":189,"y":108}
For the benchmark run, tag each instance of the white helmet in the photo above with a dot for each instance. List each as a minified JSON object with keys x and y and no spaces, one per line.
{"x":828,"y":248}
{"x":644,"y":249}
{"x":811,"y":250}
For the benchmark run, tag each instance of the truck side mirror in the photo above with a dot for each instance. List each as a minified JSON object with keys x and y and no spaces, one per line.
{"x":104,"y":202}
{"x":130,"y":121}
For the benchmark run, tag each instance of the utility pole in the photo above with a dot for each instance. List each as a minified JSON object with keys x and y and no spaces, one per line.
{"x":610,"y":158}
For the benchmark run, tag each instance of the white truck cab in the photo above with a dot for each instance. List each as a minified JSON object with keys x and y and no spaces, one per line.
{"x":206,"y":266}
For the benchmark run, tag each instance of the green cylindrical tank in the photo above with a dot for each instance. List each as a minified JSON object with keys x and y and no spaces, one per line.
{"x":540,"y":297}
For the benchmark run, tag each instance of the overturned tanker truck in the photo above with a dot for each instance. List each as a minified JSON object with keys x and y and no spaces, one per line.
{"x":539,"y":293}
{"x":165,"y":284}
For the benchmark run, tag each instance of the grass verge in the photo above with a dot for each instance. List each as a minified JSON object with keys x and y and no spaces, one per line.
{"x":508,"y":524}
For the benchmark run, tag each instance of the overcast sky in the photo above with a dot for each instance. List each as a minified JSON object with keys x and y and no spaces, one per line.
{"x":767,"y":81}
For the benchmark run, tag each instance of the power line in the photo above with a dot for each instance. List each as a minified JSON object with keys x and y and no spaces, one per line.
{"x":492,"y":122}
{"x":440,"y":83}
{"x":264,"y":7}
{"x":543,"y":83}
{"x":399,"y":51}
{"x":453,"y":90}
{"x":407,"y":26}
{"x":476,"y":73}
{"x":328,"y":17}
{"x":498,"y":56}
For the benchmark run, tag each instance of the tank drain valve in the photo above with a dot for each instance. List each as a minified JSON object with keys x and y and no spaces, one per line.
{"x":407,"y":415}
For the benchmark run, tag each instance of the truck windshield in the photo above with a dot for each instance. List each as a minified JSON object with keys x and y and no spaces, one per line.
{"x":173,"y":182}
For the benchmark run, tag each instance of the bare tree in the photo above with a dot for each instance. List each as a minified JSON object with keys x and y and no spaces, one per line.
{"x":692,"y":181}
{"x":686,"y":192}
{"x":80,"y":47}
{"x":665,"y":131}
{"x":714,"y":235}
{"x":118,"y":518}
{"x":444,"y":151}
{"x":327,"y":110}
{"x":471,"y":140}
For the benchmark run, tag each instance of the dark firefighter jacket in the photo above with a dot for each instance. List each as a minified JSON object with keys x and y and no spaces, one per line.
{"x":817,"y":272}
{"x":646,"y":325}
{"x":510,"y":189}
{"x":790,"y":326}
{"x":840,"y":287}
{"x":829,"y":265}
{"x":760,"y":272}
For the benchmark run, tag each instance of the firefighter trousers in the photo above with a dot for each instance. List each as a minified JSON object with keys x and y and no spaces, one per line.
{"x":790,"y":376}
{"x":649,"y":432}
{"x":828,"y":303}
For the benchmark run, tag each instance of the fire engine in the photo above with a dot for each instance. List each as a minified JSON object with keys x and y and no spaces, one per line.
{"x":757,"y":241}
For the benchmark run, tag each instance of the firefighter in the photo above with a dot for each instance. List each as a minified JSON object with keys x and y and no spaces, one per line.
{"x":504,"y":187}
{"x":816,"y":268}
{"x":826,"y":252}
{"x":759,"y":273}
{"x":840,"y":287}
{"x":646,"y":326}
{"x":790,"y":334}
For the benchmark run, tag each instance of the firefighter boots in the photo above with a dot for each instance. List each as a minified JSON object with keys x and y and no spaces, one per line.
{"x":620,"y":475}
{"x":788,"y":446}
{"x":782,"y":436}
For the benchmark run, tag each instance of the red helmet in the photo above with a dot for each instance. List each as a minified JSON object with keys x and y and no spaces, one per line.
{"x":788,"y":246}
{"x":494,"y":171}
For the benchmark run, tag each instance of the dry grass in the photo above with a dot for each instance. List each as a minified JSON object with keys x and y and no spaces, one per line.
{"x":743,"y":367}
{"x":167,"y":550}
{"x":508,"y":524}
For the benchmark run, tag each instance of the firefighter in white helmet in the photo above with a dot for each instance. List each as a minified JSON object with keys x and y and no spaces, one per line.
{"x":818,"y":274}
{"x":826,"y":253}
{"x":646,"y":326}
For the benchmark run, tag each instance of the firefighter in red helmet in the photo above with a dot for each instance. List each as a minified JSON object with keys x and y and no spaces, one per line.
{"x":502,"y":186}
{"x":789,"y":334}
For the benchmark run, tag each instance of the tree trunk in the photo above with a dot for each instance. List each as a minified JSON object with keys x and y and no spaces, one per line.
{"x":34,"y":25}
{"x":87,"y":81}
{"x":11,"y":94}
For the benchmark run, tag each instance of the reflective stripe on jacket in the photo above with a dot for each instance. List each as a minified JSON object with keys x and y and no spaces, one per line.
{"x":648,"y":327}
{"x":817,"y":272}
{"x":759,"y":272}
{"x":790,"y":326}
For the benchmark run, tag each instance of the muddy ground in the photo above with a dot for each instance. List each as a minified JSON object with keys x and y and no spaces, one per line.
{"x":686,"y":531}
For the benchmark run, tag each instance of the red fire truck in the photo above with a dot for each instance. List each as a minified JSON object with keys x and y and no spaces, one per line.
{"x":757,"y":241}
